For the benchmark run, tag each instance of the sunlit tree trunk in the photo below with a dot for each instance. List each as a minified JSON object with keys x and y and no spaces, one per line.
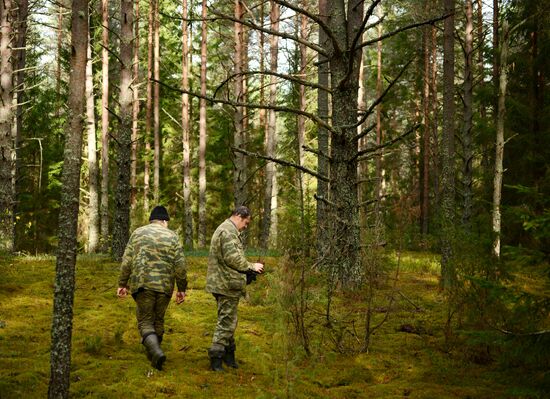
{"x":135,"y":107}
{"x":148,"y":107}
{"x":60,"y":33}
{"x":93,"y":177}
{"x":60,"y":355}
{"x":187,"y":206}
{"x":467,"y":140}
{"x":121,"y":227}
{"x":240,"y":172}
{"x":499,"y":153}
{"x":269,"y":226}
{"x":202,"y":135}
{"x":447,"y":148}
{"x":156,"y":102}
{"x":104,"y":210}
{"x":7,"y":148}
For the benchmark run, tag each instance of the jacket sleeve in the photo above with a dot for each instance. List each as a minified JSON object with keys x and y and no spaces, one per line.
{"x":180,"y":268}
{"x":126,"y":265}
{"x":233,"y":254}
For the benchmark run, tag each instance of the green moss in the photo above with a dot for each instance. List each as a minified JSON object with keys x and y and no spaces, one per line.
{"x":108,"y":360}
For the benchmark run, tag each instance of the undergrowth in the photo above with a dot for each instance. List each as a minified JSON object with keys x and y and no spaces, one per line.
{"x":406,"y":357}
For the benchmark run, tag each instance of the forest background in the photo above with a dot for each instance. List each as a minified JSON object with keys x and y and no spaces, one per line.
{"x":353,"y":130}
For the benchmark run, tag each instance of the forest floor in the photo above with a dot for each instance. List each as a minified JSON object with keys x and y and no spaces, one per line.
{"x":407,"y":356}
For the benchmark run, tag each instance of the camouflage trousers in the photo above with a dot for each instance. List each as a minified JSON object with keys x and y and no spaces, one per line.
{"x":227,"y":323}
{"x":150,"y":309}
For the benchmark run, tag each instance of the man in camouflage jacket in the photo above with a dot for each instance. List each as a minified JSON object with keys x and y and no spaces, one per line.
{"x":226,"y":280}
{"x":153,"y":261}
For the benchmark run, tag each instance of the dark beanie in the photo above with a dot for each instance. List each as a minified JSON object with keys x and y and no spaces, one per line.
{"x":159,"y":213}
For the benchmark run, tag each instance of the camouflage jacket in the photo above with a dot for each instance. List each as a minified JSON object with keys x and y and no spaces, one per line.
{"x":226,"y":262}
{"x":153,"y":260}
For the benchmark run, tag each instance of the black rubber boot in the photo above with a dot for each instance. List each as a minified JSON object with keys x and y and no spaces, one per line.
{"x":215,"y":360}
{"x":229,"y":356}
{"x":149,"y":353}
{"x":156,"y":355}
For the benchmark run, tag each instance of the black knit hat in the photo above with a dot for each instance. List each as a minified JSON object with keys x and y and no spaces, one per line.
{"x":159,"y":213}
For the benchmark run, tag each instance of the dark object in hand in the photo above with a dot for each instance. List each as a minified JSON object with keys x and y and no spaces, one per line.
{"x":250,"y":276}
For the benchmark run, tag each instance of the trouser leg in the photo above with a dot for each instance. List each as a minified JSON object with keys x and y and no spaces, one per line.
{"x":226,"y":325}
{"x":150,"y":310}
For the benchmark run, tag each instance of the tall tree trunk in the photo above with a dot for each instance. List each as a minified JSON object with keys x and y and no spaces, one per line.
{"x":499,"y":154}
{"x":104,"y":210}
{"x":135,"y":107}
{"x":60,"y":32}
{"x":496,"y":56}
{"x":302,"y":89}
{"x":21,"y":61}
{"x":379,"y":187}
{"x":270,"y":196}
{"x":344,"y":256}
{"x":486,"y":164}
{"x":93,"y":177}
{"x":187,"y":205}
{"x":239,"y":174}
{"x":202,"y":135}
{"x":323,"y":77}
{"x":60,"y":360}
{"x":434,"y":100}
{"x":121,"y":228}
{"x":467,"y":140}
{"x":156,"y":103}
{"x":148,"y":107}
{"x":426,"y":133}
{"x":447,"y":148}
{"x":7,"y":148}
{"x":362,"y":167}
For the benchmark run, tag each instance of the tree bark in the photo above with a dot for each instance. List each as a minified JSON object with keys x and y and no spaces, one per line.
{"x":135,"y":108}
{"x":156,"y":103}
{"x":21,"y":61}
{"x":7,"y":148}
{"x":447,"y":148}
{"x":240,"y":172}
{"x":104,"y":210}
{"x":427,"y":132}
{"x":61,"y":332}
{"x":344,"y":256}
{"x":121,"y":228}
{"x":499,"y":153}
{"x":187,"y":205}
{"x":148,"y":107}
{"x":202,"y":134}
{"x":323,"y":77}
{"x":379,"y":185}
{"x":269,"y":220}
{"x":93,"y":177}
{"x":467,"y":139}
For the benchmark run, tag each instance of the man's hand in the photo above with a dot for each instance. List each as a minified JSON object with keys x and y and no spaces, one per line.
{"x":122,"y":292}
{"x":180,"y":297}
{"x":258,"y":267}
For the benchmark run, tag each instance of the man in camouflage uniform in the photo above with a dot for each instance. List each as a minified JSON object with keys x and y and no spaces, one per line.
{"x":152,"y":262}
{"x":226,"y":280}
